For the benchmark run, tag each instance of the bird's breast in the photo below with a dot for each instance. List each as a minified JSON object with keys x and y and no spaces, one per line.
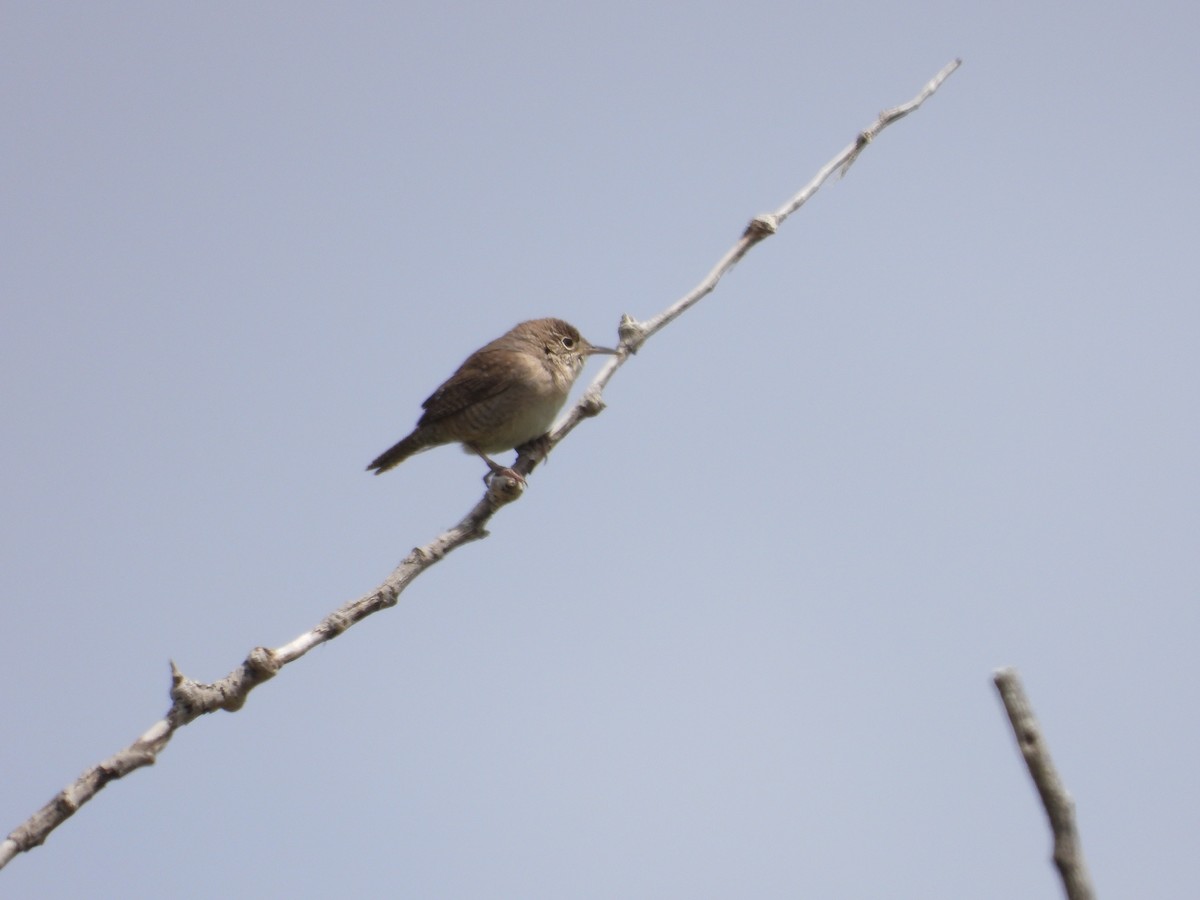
{"x":521,"y":422}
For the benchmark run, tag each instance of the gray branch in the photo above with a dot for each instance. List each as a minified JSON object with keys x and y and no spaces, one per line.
{"x":191,"y":699}
{"x":1060,"y":808}
{"x":634,"y":333}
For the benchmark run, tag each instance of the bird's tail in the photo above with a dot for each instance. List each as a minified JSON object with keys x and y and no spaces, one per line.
{"x":398,"y":453}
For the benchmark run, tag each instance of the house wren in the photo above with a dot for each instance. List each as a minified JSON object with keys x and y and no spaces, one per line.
{"x":506,"y":394}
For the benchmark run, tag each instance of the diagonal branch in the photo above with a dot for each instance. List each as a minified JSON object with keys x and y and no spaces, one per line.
{"x":1060,"y":808}
{"x":633,"y":333}
{"x":191,"y":699}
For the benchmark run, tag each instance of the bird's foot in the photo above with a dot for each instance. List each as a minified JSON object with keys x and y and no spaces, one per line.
{"x":500,"y":471}
{"x":495,"y":469}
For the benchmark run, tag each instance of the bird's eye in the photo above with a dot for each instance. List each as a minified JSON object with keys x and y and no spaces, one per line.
{"x":569,"y":343}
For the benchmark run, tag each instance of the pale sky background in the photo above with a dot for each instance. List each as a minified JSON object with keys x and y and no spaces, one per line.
{"x":737,"y":639}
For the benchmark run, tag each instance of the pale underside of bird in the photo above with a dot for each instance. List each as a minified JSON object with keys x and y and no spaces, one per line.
{"x":505,"y":395}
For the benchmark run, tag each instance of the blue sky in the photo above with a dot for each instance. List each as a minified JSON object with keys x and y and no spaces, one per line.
{"x":737,"y":638}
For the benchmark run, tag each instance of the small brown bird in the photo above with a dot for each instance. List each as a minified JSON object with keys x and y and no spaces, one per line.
{"x":505,"y":395}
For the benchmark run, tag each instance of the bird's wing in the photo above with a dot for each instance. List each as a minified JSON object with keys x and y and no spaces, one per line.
{"x":487,"y":373}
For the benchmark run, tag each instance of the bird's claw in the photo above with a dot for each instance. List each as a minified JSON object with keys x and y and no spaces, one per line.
{"x":498,"y":470}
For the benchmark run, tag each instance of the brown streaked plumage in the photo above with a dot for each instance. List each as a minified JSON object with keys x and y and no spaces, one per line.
{"x":505,"y":394}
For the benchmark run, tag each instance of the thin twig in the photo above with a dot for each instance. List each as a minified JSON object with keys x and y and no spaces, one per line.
{"x":191,"y":699}
{"x":634,"y":333}
{"x":1060,"y":808}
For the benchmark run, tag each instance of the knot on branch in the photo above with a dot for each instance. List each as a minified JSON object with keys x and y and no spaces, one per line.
{"x":860,"y":144}
{"x":590,"y":404}
{"x":335,"y":623}
{"x":191,"y":699}
{"x":65,"y":804}
{"x":261,"y":664}
{"x":760,"y":227}
{"x":632,"y":333}
{"x":503,"y":488}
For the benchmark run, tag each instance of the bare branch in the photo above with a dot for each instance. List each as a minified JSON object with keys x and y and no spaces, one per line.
{"x":191,"y":699}
{"x":634,"y":333}
{"x":1068,"y":852}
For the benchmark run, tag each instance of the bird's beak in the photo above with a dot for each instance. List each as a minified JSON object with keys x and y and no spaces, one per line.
{"x":592,"y":351}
